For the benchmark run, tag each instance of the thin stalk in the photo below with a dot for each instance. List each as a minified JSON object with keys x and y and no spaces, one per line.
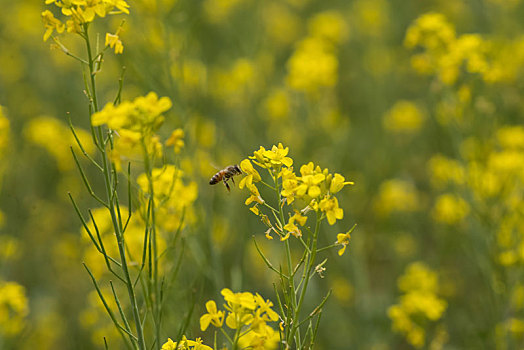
{"x":107,"y":167}
{"x":305,"y":281}
{"x":153,"y":234}
{"x":290,"y":280}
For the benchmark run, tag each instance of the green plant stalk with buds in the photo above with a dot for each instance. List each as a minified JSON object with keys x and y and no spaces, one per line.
{"x":104,"y":140}
{"x":315,"y":188}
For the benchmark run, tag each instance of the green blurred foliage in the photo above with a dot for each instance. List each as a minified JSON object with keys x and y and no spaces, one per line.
{"x":430,"y":131}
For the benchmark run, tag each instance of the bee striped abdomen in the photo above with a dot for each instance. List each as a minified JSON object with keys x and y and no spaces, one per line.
{"x":216,"y":178}
{"x":225,"y":175}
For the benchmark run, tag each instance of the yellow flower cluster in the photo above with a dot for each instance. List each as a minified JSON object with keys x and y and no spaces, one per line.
{"x":444,"y":171}
{"x":174,"y":197}
{"x":247,"y":313}
{"x":314,"y":63}
{"x":135,"y":123}
{"x":14,"y":308}
{"x":450,"y":209}
{"x":185,"y":344}
{"x":445,"y":54}
{"x":314,"y":190}
{"x":419,"y":304}
{"x":80,"y":13}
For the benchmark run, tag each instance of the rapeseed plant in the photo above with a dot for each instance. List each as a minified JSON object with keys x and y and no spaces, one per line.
{"x":124,"y":132}
{"x":294,"y":197}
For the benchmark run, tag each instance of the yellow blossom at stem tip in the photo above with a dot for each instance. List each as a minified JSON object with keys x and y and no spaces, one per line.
{"x":277,"y":156}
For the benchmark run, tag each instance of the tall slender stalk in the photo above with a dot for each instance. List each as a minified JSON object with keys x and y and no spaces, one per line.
{"x":156,"y":305}
{"x":111,"y":183}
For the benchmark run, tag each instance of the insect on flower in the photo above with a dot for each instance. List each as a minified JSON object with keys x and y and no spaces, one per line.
{"x":225,"y":175}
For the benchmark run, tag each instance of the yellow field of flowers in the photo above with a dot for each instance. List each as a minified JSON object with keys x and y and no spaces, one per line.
{"x":261,"y":174}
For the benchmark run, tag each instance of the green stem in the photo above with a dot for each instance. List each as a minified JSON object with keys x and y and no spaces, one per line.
{"x":290,"y":279}
{"x":156,"y":291}
{"x":106,"y":166}
{"x":305,"y":281}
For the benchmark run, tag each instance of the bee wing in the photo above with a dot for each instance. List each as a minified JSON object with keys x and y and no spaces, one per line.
{"x":215,"y":166}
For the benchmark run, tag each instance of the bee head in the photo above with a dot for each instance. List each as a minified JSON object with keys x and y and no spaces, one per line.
{"x":237,"y":168}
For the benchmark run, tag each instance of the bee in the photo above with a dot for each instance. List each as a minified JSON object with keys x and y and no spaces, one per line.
{"x":225,"y":175}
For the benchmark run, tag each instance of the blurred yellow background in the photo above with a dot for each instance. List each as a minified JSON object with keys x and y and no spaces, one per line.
{"x":418,"y":102}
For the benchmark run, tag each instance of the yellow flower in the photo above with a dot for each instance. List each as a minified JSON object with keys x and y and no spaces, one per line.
{"x":396,"y":196}
{"x":252,"y":174}
{"x":255,"y":195}
{"x":114,"y":42}
{"x":13,"y":308}
{"x":185,"y":344}
{"x":343,"y":238}
{"x":289,"y":184}
{"x":338,"y":182}
{"x":312,"y":66}
{"x":310,"y":181}
{"x":51,"y":23}
{"x":215,"y":317}
{"x":418,"y":277}
{"x":290,"y":227}
{"x":176,"y":139}
{"x":330,"y":207}
{"x":169,"y":345}
{"x":254,"y":210}
{"x":265,"y":306}
{"x":430,"y":30}
{"x":258,"y":158}
{"x":444,"y":170}
{"x":144,"y":114}
{"x":240,"y":306}
{"x":329,"y":25}
{"x":310,"y":186}
{"x":277,"y":156}
{"x":404,"y":117}
{"x":239,"y":300}
{"x":450,"y":209}
{"x":418,"y":305}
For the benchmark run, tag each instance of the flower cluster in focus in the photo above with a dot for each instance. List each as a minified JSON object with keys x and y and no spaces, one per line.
{"x":248,"y":314}
{"x":312,"y":189}
{"x":80,"y":13}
